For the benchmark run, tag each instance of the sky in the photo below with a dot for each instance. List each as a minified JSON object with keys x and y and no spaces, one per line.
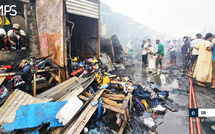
{"x":175,"y":18}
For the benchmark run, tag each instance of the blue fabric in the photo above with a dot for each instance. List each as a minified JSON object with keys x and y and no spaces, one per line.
{"x":104,"y":86}
{"x":155,"y":102}
{"x":153,"y":86}
{"x":164,"y":94}
{"x":214,"y":54}
{"x":37,"y":132}
{"x":34,"y":115}
{"x":99,"y":108}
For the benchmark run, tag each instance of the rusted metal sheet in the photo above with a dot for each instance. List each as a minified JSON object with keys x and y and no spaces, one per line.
{"x":113,"y":48}
{"x":14,"y":101}
{"x":50,"y":24}
{"x":83,"y":7}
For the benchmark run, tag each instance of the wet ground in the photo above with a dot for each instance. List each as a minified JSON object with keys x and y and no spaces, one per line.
{"x":170,"y":79}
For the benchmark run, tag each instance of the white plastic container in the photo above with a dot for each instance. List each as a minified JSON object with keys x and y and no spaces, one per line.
{"x":151,"y":63}
{"x":69,"y":110}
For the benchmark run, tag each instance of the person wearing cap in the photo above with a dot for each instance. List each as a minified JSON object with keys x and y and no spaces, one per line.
{"x":17,"y":37}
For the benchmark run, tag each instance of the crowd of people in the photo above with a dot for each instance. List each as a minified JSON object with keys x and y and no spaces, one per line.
{"x":11,"y":38}
{"x":198,"y":57}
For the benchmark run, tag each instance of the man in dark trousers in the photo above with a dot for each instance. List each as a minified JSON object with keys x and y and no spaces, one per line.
{"x":145,"y":53}
{"x":185,"y":51}
{"x":160,"y":54}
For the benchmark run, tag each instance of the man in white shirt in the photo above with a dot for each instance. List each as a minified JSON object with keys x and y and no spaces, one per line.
{"x":2,"y":35}
{"x":194,"y":43}
{"x":172,"y":52}
{"x":145,"y":53}
{"x":17,"y":37}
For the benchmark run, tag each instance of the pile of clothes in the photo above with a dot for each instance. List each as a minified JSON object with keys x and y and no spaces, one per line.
{"x":84,"y":68}
{"x":21,"y":76}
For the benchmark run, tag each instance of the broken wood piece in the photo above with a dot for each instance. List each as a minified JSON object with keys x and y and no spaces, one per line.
{"x":51,"y":79}
{"x":125,"y":102}
{"x":112,"y":76}
{"x":117,"y":110}
{"x":116,"y":82}
{"x":82,"y":120}
{"x":34,"y":87}
{"x":124,"y":123}
{"x":83,"y":97}
{"x":114,"y":96}
{"x":56,"y":131}
{"x":106,"y":101}
{"x":56,"y":77}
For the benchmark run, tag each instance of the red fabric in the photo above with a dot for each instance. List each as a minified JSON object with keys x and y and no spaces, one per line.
{"x":5,"y":42}
{"x":7,"y":66}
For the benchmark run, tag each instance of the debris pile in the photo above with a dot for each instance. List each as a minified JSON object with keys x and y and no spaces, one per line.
{"x":92,"y":100}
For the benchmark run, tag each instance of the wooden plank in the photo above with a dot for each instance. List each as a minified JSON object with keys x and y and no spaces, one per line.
{"x":124,"y":123}
{"x":83,"y":97}
{"x":86,"y":119}
{"x":51,"y":79}
{"x":34,"y":87}
{"x":112,"y":76}
{"x":114,"y":96}
{"x":116,"y":82}
{"x":125,"y":102}
{"x":117,"y":110}
{"x":56,"y":131}
{"x":42,"y":85}
{"x":85,"y":115}
{"x":106,"y":101}
{"x":56,"y":77}
{"x":130,"y":102}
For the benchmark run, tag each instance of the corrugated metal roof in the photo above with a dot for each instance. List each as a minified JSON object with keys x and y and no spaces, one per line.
{"x":14,"y":101}
{"x":83,"y":7}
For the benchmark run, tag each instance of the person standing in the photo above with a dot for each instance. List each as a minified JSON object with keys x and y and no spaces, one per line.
{"x":145,"y":53}
{"x":194,"y":52}
{"x":160,"y":54}
{"x":203,"y":69}
{"x":194,"y":43}
{"x":213,"y":65}
{"x":172,"y":52}
{"x":185,"y":51}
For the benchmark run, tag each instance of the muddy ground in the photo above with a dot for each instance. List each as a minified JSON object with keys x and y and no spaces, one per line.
{"x":170,"y":79}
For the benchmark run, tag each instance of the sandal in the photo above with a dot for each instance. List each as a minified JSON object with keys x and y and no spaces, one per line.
{"x":201,"y":84}
{"x":213,"y":87}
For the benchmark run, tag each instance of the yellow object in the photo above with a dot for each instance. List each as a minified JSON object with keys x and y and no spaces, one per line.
{"x":102,"y":80}
{"x":7,"y":22}
{"x":75,"y":59}
{"x":146,"y":105}
{"x":106,"y":80}
{"x":22,"y":64}
{"x":94,"y":61}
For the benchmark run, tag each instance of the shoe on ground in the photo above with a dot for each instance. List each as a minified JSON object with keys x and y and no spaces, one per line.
{"x":13,"y":48}
{"x":213,"y":127}
{"x":23,"y":48}
{"x":190,"y":75}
